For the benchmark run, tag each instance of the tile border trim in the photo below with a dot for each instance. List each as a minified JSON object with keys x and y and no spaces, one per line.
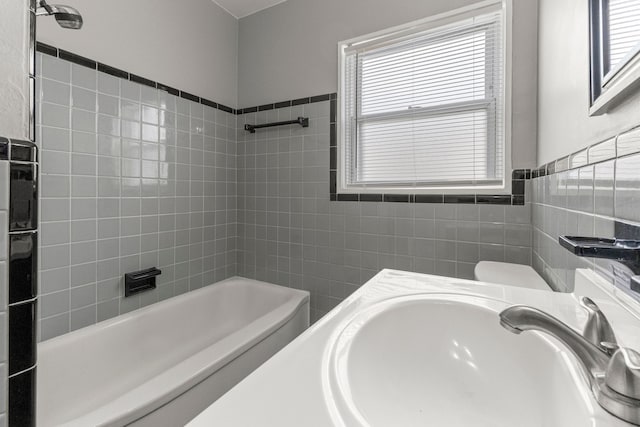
{"x":116,"y":72}
{"x":623,"y":144}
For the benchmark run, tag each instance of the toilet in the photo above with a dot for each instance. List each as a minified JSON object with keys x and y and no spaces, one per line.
{"x":504,"y":273}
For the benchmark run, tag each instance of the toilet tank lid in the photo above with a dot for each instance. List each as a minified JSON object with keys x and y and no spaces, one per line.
{"x":504,"y":273}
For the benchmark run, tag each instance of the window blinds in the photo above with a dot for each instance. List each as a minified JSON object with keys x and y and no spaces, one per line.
{"x":624,"y":30}
{"x":427,"y":109}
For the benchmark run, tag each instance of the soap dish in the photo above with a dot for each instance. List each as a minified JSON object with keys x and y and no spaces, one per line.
{"x":595,"y":247}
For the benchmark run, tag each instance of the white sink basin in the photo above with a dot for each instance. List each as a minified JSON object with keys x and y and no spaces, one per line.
{"x":444,"y":360}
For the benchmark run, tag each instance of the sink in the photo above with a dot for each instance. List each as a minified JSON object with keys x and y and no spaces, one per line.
{"x":444,"y":360}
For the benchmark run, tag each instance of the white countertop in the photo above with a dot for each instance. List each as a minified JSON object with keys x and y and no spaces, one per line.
{"x":288,"y":389}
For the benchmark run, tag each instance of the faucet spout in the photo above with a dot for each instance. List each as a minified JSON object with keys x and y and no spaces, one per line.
{"x":521,"y":318}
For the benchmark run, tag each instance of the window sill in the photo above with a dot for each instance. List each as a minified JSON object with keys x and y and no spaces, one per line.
{"x":516,"y":198}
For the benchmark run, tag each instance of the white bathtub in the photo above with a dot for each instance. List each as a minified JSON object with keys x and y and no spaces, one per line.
{"x":162,"y":365}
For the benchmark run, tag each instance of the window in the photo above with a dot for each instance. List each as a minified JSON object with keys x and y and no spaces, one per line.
{"x":615,"y":51}
{"x":422,"y":107}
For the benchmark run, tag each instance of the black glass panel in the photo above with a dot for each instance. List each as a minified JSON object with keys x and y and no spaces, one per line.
{"x":23,"y":266}
{"x":22,"y":337}
{"x":24,"y":197}
{"x":22,"y":399}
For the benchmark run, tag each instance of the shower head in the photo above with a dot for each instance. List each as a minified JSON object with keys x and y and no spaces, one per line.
{"x":67,"y":16}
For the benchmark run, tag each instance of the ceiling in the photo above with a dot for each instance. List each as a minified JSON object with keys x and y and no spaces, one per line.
{"x":242,"y":8}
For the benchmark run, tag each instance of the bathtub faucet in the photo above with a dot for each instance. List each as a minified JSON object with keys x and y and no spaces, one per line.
{"x":613,"y":372}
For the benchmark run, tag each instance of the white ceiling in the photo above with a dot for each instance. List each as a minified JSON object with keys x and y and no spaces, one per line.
{"x":242,"y":8}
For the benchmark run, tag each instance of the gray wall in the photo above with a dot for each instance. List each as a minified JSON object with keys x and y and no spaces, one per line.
{"x":564,"y":125}
{"x":14,"y":69}
{"x":132,"y":178}
{"x":190,"y":44}
{"x":291,"y":234}
{"x":290,"y":51}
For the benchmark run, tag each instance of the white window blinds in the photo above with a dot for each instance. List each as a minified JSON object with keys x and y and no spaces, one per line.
{"x":624,"y":30}
{"x":426,"y":108}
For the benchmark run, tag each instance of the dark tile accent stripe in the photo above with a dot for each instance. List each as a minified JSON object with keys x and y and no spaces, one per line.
{"x":265,"y":107}
{"x":113,"y":71}
{"x":142,"y":81}
{"x":169,"y":89}
{"x":225,"y":108}
{"x":519,"y":174}
{"x":333,"y":111}
{"x":320,"y":98}
{"x":517,"y":187}
{"x":333,"y":181}
{"x":86,"y":62}
{"x":190,"y":97}
{"x":77,"y":59}
{"x":517,"y":200}
{"x":493,"y":200}
{"x":397,"y":198}
{"x":371,"y":197}
{"x":22,"y":337}
{"x":22,"y":399}
{"x":348,"y":197}
{"x":290,"y":103}
{"x":208,"y":103}
{"x":45,"y":48}
{"x":460,"y":198}
{"x":4,"y":148}
{"x":429,"y":198}
{"x":333,"y":135}
{"x":333,"y":158}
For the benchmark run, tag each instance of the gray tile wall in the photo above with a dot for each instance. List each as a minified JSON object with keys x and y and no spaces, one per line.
{"x":600,"y":188}
{"x":4,"y":286}
{"x":291,"y":234}
{"x":132,"y":177}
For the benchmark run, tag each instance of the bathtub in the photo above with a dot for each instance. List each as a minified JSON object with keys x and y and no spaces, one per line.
{"x":164,"y":364}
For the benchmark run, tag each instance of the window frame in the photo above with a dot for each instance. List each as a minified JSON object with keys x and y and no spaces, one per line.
{"x":608,"y":87}
{"x":407,"y":30}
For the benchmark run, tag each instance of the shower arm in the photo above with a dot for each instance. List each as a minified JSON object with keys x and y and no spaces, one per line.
{"x":48,"y":10}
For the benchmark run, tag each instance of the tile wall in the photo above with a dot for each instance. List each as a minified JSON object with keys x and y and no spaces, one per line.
{"x":290,"y":233}
{"x":584,"y":194}
{"x":133,"y":177}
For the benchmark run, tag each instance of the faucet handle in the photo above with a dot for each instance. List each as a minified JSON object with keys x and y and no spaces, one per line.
{"x":623,"y":373}
{"x":598,"y":330}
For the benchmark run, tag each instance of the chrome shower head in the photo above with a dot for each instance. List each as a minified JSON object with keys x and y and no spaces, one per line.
{"x":66,"y":16}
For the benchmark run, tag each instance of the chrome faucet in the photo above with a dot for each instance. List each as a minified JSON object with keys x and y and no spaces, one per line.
{"x":613,"y":372}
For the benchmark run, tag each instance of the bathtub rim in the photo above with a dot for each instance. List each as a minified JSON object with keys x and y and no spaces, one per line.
{"x":121,"y":318}
{"x":198,"y":366}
